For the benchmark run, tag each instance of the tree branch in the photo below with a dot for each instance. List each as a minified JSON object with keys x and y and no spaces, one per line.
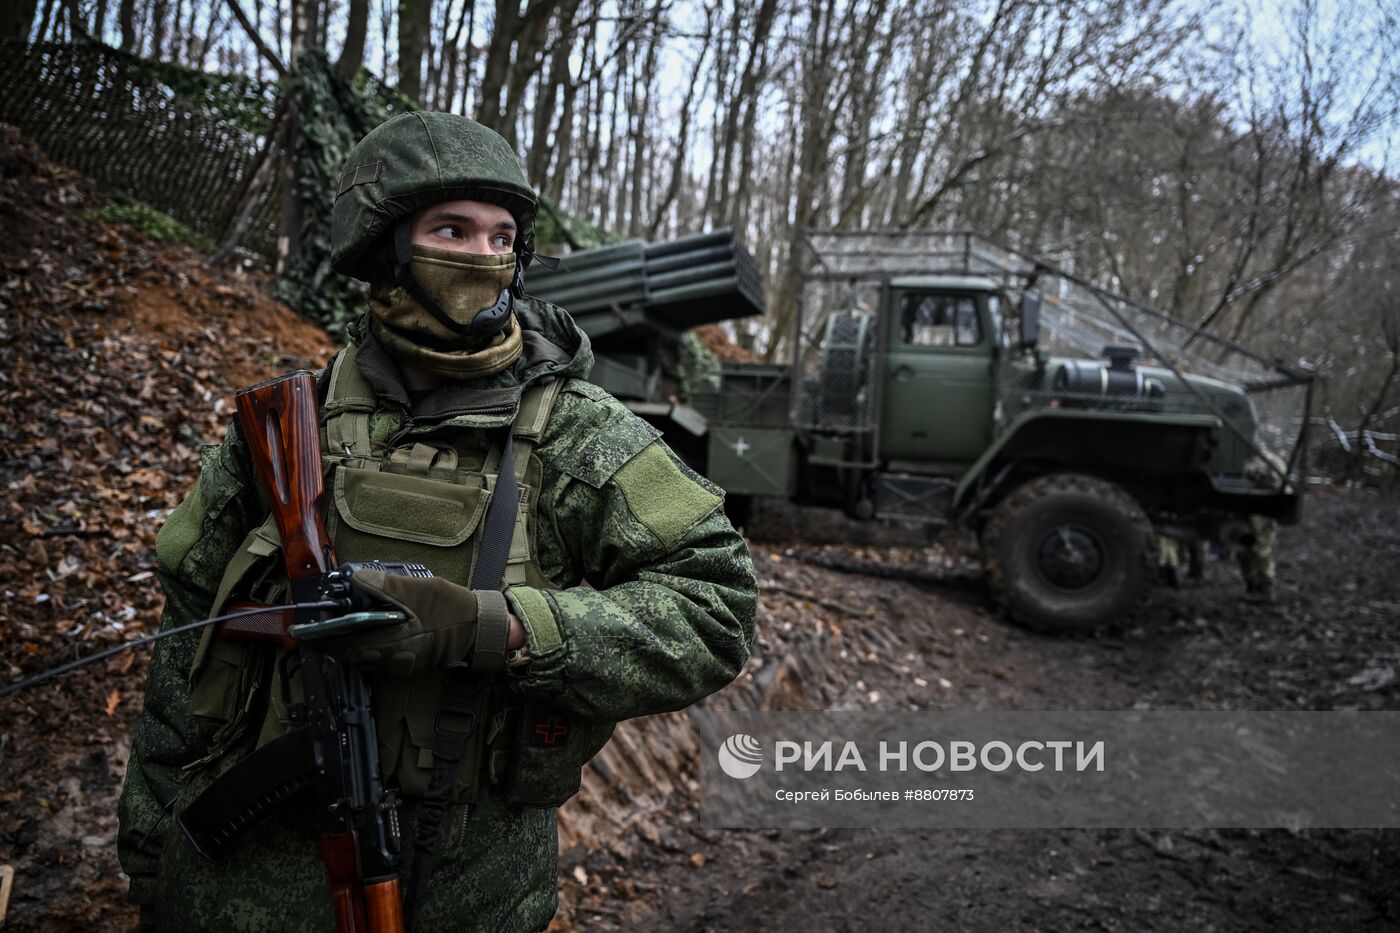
{"x":257,"y":40}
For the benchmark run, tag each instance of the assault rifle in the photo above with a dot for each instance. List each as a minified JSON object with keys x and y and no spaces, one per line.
{"x":333,"y":751}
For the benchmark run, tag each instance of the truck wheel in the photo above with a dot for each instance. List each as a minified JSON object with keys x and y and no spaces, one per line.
{"x":1069,"y":553}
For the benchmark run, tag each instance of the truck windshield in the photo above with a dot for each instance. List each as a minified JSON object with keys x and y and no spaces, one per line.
{"x":939,"y":321}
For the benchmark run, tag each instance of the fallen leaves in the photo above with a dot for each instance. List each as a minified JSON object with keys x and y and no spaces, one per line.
{"x":109,"y":388}
{"x":118,"y":359}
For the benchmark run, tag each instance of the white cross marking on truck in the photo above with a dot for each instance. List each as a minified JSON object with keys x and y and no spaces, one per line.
{"x":741,"y":446}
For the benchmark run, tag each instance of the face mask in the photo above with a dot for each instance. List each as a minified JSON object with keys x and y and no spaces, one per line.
{"x":468,"y":289}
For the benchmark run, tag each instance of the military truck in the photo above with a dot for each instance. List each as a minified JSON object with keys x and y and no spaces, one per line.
{"x":942,"y":379}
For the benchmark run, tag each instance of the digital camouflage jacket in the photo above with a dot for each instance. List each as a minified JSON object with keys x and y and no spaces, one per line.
{"x":649,"y":606}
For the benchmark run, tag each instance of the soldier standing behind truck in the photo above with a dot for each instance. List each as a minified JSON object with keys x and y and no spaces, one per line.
{"x":1256,"y":560}
{"x":1256,"y":556}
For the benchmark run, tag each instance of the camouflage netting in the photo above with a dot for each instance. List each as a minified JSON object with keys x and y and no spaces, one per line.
{"x":694,"y":366}
{"x":837,"y":325}
{"x":188,"y":143}
{"x":181,"y":141}
{"x":333,"y":113}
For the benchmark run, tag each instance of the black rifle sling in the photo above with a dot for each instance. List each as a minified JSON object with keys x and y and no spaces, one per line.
{"x":490,"y":569}
{"x":456,"y":719}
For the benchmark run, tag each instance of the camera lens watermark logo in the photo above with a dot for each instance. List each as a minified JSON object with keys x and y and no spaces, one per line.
{"x":740,"y":756}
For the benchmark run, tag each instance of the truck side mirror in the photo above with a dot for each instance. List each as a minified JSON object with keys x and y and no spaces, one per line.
{"x":1030,"y":318}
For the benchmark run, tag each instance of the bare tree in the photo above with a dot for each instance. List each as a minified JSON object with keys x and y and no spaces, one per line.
{"x":254,"y":35}
{"x":352,"y":54}
{"x":415,"y":16}
{"x":745,"y":103}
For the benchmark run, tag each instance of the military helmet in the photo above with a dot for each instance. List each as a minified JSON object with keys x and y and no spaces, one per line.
{"x":413,"y":161}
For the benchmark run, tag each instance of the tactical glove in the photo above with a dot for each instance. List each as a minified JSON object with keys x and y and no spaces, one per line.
{"x":447,"y":625}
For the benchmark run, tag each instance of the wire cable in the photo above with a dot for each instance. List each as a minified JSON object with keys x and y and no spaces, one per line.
{"x":53,"y":672}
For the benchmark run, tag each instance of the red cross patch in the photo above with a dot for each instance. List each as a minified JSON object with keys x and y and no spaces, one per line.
{"x":551,"y":731}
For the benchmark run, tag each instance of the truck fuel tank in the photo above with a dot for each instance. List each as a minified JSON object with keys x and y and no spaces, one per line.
{"x":1117,"y":383}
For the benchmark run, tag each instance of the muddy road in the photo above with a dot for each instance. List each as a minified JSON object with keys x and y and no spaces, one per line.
{"x":1330,"y":641}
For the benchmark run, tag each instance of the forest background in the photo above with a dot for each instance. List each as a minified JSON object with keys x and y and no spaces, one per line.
{"x":1227,"y":163}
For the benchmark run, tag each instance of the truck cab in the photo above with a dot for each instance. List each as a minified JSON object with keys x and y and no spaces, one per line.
{"x":938,"y":388}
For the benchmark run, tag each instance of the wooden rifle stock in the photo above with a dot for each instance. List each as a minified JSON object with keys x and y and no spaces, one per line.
{"x":278,"y":419}
{"x":341,"y":854}
{"x":280,"y":425}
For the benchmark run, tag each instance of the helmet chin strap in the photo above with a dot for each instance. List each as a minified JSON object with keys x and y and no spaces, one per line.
{"x":486,"y":324}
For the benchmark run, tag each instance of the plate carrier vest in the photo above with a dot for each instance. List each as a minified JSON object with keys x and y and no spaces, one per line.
{"x":420,"y":502}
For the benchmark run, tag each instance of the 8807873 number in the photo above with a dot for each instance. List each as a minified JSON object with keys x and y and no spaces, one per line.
{"x":941,"y":793}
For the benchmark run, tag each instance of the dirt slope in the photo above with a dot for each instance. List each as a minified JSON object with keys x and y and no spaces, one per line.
{"x":118,"y":359}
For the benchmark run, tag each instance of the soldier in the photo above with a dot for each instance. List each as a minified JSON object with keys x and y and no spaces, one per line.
{"x":1256,"y":559}
{"x":627,"y":591}
{"x":1171,"y":561}
{"x":1256,"y":556}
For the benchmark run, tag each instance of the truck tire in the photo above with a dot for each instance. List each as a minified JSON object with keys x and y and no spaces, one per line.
{"x":1069,"y":553}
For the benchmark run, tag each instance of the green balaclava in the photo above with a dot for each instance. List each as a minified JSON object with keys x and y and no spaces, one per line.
{"x":448,"y":312}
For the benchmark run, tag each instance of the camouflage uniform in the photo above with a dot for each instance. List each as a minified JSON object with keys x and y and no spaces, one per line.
{"x":644,"y":603}
{"x":1257,"y":560}
{"x":1171,"y":560}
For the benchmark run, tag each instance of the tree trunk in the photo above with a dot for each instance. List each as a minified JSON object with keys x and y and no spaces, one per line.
{"x":724,"y":53}
{"x":126,"y":20}
{"x":459,"y":76}
{"x":814,"y":131}
{"x":159,"y":9}
{"x":611,"y":181}
{"x":593,"y":131}
{"x":558,"y":156}
{"x":352,"y":54}
{"x":527,"y":62}
{"x":179,"y":48}
{"x":497,"y":64}
{"x":386,"y":22}
{"x":415,"y":16}
{"x":743,"y":101}
{"x":640,"y":141}
{"x":304,"y":26}
{"x":547,"y":94}
{"x":77,"y":29}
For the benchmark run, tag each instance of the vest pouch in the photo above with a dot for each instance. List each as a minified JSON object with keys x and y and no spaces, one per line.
{"x":381,"y":515}
{"x":420,"y":700}
{"x":540,"y":753}
{"x":227,"y":678}
{"x":396,"y":516}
